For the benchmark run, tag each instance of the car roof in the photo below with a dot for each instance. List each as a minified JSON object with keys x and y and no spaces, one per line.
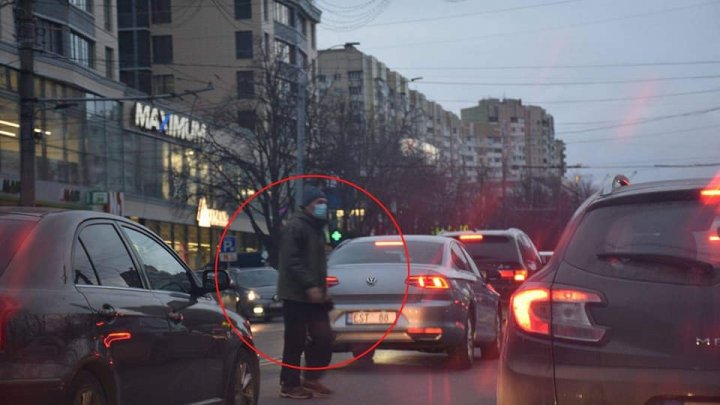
{"x":498,"y":232}
{"x":638,"y":189}
{"x":408,"y":238}
{"x":42,"y":212}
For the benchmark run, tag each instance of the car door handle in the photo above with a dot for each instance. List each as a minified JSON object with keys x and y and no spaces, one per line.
{"x":175,"y":317}
{"x":108,"y":312}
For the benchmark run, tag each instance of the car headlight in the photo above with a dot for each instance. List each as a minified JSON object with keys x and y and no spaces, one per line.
{"x":252,"y":295}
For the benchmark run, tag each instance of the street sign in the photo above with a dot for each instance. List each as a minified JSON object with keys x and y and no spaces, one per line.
{"x":228,"y":249}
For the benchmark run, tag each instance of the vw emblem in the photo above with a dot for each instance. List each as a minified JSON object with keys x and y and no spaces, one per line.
{"x":371,"y":281}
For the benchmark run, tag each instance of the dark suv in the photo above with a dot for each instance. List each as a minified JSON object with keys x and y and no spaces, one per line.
{"x":508,"y":256}
{"x":96,"y":309}
{"x":628,"y":309}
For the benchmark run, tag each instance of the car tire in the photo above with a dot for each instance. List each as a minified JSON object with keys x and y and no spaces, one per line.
{"x":492,"y":350}
{"x":86,"y":390}
{"x":244,"y":388}
{"x":461,"y":355}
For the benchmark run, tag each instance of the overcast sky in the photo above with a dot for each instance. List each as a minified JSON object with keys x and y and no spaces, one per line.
{"x":551,"y":50}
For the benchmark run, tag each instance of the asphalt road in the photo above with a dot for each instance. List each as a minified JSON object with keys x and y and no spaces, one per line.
{"x":394,"y":378}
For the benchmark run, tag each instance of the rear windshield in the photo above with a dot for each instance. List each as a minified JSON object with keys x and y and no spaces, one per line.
{"x":12,"y":234}
{"x":255,"y":278}
{"x":674,"y":242}
{"x":368,"y":252}
{"x":493,"y":249}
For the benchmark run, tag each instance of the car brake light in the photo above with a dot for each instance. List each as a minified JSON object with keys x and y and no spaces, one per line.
{"x":429,"y":282}
{"x":710,"y":192}
{"x":715,"y":238}
{"x":519,"y":275}
{"x":332,"y":281}
{"x":7,"y":308}
{"x":115,"y":337}
{"x":469,"y":238}
{"x":386,"y":243}
{"x":424,"y":331}
{"x":570,"y":318}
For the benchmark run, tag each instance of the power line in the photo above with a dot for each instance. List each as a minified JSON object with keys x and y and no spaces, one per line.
{"x":546,"y":29}
{"x":464,"y":15}
{"x":644,"y":121}
{"x":580,"y":66}
{"x":581,"y":83}
{"x":649,"y":135}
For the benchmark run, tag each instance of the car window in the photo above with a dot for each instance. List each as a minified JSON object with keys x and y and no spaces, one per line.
{"x":471,"y":264}
{"x":531,"y":258}
{"x":109,"y":256}
{"x":162,"y":269}
{"x":493,"y":249}
{"x":458,"y":259}
{"x":255,"y":278}
{"x":660,"y":241}
{"x":421,"y":252}
{"x":83,"y":271}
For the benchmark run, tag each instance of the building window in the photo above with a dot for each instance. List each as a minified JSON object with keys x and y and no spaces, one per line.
{"x":337,"y":76}
{"x":161,"y":11}
{"x":109,"y":62}
{"x":107,"y":12}
{"x":243,"y":9}
{"x":163,"y":84}
{"x":322,"y":78}
{"x":355,"y":75}
{"x":81,"y":50}
{"x":284,"y":52}
{"x":302,"y":24}
{"x":313,"y":36}
{"x":162,"y":49}
{"x":267,"y":44}
{"x":50,"y":36}
{"x":266,"y":10}
{"x":303,"y":60}
{"x":284,"y":15}
{"x":245,"y":84}
{"x":243,"y":44}
{"x":355,"y":90}
{"x":85,"y":5}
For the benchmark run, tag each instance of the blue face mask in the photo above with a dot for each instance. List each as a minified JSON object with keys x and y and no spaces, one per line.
{"x":320,"y":211}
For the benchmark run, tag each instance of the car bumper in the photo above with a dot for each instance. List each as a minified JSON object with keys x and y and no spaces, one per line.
{"x":444,"y":317}
{"x":525,"y":371}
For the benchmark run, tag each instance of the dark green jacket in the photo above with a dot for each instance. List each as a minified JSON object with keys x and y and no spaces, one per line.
{"x":302,"y":257}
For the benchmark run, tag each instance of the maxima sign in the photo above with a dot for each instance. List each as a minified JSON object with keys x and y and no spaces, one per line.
{"x":154,"y":119}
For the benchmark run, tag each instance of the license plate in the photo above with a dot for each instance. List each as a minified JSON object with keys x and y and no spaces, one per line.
{"x":371,"y":318}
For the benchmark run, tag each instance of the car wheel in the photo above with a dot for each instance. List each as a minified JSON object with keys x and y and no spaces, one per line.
{"x":492,"y":350}
{"x":245,"y":380}
{"x":461,"y":355}
{"x":86,"y":390}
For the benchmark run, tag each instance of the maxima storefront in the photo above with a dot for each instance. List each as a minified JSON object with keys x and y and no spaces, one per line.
{"x":130,"y":158}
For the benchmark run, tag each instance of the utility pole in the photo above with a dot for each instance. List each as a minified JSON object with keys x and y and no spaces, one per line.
{"x":300,"y":152}
{"x":505,"y":143}
{"x":26,"y":43}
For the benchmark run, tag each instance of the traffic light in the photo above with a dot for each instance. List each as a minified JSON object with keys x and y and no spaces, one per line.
{"x":336,"y":236}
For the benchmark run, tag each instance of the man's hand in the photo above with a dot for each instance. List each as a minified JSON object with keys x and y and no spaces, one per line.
{"x":315,"y":294}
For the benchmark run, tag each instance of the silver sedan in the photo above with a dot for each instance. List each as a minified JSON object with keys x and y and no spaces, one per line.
{"x":450,"y":307}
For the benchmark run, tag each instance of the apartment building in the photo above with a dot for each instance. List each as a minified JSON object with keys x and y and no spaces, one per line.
{"x":377,"y":92}
{"x":515,"y":138}
{"x":173,"y":46}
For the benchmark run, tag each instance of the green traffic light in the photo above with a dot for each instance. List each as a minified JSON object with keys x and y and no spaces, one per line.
{"x":336,"y":236}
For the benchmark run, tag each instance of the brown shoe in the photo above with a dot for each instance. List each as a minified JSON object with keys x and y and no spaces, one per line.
{"x":317,"y":388}
{"x":296,"y":393}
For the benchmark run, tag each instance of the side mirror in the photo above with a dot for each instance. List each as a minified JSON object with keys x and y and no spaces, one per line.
{"x":492,"y":275}
{"x":208,"y":280}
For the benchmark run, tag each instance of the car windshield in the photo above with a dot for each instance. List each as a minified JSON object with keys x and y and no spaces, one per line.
{"x":493,"y":248}
{"x":660,"y":241}
{"x":12,"y":234}
{"x":421,"y":252}
{"x":255,"y":278}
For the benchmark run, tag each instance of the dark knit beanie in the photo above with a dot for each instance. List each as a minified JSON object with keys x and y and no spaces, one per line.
{"x":310,"y":194}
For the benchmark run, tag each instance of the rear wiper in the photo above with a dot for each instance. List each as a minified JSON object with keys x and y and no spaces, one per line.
{"x":660,"y":258}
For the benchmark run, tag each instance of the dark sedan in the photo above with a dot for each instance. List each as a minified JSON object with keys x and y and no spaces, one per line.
{"x":449,"y":307}
{"x":628,"y":309}
{"x":253,"y":292}
{"x":96,"y":309}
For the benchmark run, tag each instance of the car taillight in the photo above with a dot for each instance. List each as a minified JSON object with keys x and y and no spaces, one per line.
{"x":569,"y":320}
{"x":429,"y":282}
{"x":518,"y":275}
{"x":7,"y":308}
{"x":331,"y":281}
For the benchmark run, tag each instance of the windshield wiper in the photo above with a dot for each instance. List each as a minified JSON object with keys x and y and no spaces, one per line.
{"x":661,"y":258}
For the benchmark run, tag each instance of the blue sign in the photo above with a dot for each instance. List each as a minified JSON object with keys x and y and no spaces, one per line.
{"x":229,"y":245}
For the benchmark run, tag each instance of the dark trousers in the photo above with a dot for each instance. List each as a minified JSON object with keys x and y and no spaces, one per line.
{"x":307,"y":329}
